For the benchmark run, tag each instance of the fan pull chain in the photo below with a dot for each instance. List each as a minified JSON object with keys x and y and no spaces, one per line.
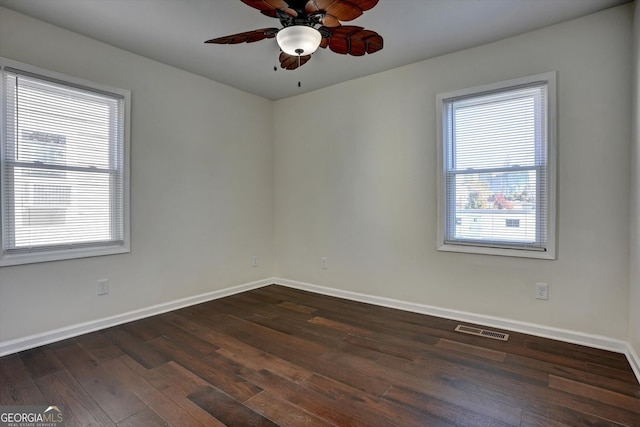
{"x":299,"y":52}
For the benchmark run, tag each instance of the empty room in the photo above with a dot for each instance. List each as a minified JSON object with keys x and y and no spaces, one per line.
{"x":319,"y":213}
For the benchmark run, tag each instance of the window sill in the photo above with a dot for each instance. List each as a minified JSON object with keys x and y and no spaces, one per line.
{"x":484,"y":250}
{"x":37,"y":257}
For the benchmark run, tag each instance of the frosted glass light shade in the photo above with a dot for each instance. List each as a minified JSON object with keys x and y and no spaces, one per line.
{"x":299,"y":40}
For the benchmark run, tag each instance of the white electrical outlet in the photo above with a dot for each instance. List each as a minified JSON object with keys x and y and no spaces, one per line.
{"x":323,"y":262}
{"x":542,"y":291}
{"x":254,"y":261}
{"x":103,"y":286}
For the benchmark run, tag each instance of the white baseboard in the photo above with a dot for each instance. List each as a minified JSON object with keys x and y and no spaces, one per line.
{"x":634,"y":361}
{"x":575,"y":337}
{"x":32,"y":341}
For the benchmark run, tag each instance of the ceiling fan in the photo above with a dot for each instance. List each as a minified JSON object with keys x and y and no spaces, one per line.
{"x":309,"y":24}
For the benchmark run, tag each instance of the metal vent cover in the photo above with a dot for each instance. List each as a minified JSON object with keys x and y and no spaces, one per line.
{"x":482,"y":332}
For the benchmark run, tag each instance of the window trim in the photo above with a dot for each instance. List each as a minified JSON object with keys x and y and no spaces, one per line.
{"x":551,"y":211}
{"x":8,"y":259}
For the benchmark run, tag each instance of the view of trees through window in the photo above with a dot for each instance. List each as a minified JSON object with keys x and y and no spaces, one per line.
{"x":497,"y":205}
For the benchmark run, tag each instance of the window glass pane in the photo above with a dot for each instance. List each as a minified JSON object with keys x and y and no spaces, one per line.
{"x":54,"y":209}
{"x":488,"y":206}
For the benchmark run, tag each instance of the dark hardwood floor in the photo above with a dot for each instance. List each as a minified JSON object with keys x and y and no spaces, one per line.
{"x":279,"y":356}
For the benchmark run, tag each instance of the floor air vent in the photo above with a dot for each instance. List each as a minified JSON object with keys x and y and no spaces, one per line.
{"x":482,"y":332}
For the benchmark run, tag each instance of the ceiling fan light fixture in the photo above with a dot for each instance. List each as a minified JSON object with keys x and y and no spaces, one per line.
{"x":299,"y":40}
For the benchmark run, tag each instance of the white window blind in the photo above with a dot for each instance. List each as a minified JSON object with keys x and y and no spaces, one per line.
{"x":63,"y":167}
{"x":495,"y":169}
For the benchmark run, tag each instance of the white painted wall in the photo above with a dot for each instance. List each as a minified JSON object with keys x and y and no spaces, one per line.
{"x":634,"y":291}
{"x":355,"y":181}
{"x":201,"y":188}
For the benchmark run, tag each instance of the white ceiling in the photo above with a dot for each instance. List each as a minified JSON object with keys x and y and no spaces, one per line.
{"x":173,"y":32}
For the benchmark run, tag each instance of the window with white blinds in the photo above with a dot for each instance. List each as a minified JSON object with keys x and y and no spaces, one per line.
{"x":497,"y":168}
{"x":64,"y":177}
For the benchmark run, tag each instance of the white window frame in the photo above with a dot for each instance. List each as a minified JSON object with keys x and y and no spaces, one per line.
{"x":6,"y":258}
{"x":549,"y":251}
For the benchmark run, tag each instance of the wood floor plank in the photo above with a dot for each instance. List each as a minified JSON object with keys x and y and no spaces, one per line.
{"x":455,"y":414}
{"x":24,"y":393}
{"x":170,"y":375}
{"x":228,"y":410}
{"x":383,"y":410}
{"x":199,"y":326}
{"x":144,"y":329}
{"x":112,"y":396}
{"x":393,"y":346}
{"x":260,"y":360}
{"x":625,"y":375}
{"x":349,"y":329}
{"x":12,"y":370}
{"x":614,"y":360}
{"x":152,"y":397}
{"x":282,"y":412}
{"x":242,"y":353}
{"x":184,"y":338}
{"x":452,"y":391}
{"x":348,"y":369}
{"x":542,"y":369}
{"x":596,"y":393}
{"x":80,"y":409}
{"x":473,"y":368}
{"x":315,"y":403}
{"x":282,"y":356}
{"x":522,"y":391}
{"x":225,"y":380}
{"x":557,"y":415}
{"x":246,"y":303}
{"x":138,"y":350}
{"x":267,"y":335}
{"x":497,"y":356}
{"x":297,"y":307}
{"x":176,"y":383}
{"x":99,"y":346}
{"x":297,"y":325}
{"x":144,"y":418}
{"x":40,"y":361}
{"x":534,"y":420}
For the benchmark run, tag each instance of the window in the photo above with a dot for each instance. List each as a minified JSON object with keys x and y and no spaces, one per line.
{"x":496,"y":168}
{"x":64,"y":166}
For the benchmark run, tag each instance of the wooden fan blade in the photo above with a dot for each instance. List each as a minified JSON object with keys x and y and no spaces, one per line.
{"x":330,"y":21}
{"x":353,"y":40}
{"x":290,"y":62}
{"x":270,"y":13}
{"x":268,"y":7}
{"x":364,"y":5}
{"x":246,"y":37}
{"x":339,"y":10}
